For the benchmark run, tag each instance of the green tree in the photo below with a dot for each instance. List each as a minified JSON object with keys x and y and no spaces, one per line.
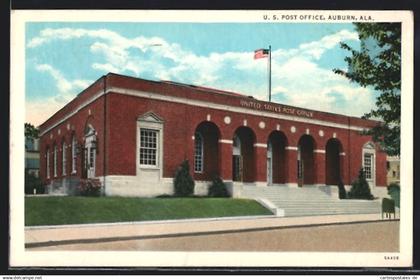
{"x":378,"y":64}
{"x":31,"y":131}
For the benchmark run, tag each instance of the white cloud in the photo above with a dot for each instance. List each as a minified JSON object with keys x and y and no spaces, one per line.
{"x":114,"y":47}
{"x":38,"y":111}
{"x":305,"y":84}
{"x":63,"y":85}
{"x":316,"y":49}
{"x":297,"y":79}
{"x":107,"y":67}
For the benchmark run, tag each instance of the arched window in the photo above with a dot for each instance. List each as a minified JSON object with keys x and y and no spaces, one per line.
{"x":198,"y":154}
{"x":55,"y":160}
{"x":73,"y":154}
{"x":47,"y":155}
{"x":64,"y":158}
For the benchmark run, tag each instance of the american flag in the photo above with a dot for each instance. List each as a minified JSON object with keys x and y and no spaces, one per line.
{"x":261,"y":53}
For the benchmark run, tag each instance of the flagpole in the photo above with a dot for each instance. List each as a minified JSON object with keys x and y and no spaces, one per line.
{"x":269,"y":73}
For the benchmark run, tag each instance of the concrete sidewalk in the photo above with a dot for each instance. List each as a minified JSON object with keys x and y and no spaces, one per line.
{"x":44,"y":236}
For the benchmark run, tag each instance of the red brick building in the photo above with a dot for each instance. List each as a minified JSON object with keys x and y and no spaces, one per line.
{"x":132,"y":134}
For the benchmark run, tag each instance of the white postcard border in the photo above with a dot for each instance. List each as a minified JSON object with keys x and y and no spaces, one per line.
{"x":20,"y":257}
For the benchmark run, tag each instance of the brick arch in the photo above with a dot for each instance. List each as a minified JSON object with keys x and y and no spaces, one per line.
{"x":278,"y":142}
{"x":315,"y":142}
{"x":247,"y":139}
{"x":333,"y":162}
{"x":88,"y":128}
{"x":89,"y":124}
{"x":306,"y":160}
{"x":208,"y":133}
{"x":246,"y":128}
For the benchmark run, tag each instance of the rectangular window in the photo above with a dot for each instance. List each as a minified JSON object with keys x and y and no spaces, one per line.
{"x":48,"y":163}
{"x":64,"y":163}
{"x":148,"y":147}
{"x":367,"y":164}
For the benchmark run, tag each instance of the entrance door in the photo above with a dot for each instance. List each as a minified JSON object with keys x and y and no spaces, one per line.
{"x":269,"y":164}
{"x":91,"y":163}
{"x":300,"y":169}
{"x":237,"y":168}
{"x":90,"y":156}
{"x":269,"y":171}
{"x":237,"y":160}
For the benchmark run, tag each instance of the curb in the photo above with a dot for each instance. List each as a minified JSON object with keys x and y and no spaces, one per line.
{"x":173,"y":221}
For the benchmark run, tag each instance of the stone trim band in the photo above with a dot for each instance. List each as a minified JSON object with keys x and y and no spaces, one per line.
{"x":199,"y":103}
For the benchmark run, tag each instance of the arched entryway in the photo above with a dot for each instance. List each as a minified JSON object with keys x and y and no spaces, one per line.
{"x":276,"y":158}
{"x":333,"y":162}
{"x":206,"y":151}
{"x":305,"y":161}
{"x":243,"y":163}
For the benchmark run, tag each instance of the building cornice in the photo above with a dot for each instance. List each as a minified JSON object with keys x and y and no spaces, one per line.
{"x":199,"y":103}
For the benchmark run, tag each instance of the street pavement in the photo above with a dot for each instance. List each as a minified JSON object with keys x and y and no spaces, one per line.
{"x":356,"y":237}
{"x":316,"y":233}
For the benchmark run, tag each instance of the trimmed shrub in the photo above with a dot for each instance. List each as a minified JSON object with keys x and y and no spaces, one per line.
{"x":394,"y":192}
{"x":32,"y":182}
{"x":183,"y":182}
{"x":342,"y":194}
{"x":360,"y":188}
{"x":218,"y":188}
{"x":88,"y":187}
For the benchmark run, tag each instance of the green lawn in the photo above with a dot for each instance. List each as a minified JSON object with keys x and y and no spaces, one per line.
{"x":78,"y":210}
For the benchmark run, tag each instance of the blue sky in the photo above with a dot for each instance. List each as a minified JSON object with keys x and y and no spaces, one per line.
{"x":64,"y":58}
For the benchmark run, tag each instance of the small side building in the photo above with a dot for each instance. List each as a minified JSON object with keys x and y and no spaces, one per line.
{"x":32,"y":156}
{"x":393,"y":167}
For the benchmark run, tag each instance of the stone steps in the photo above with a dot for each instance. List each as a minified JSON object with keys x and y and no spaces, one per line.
{"x":310,"y":201}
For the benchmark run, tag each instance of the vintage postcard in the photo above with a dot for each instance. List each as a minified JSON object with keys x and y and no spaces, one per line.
{"x":211,"y":138}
